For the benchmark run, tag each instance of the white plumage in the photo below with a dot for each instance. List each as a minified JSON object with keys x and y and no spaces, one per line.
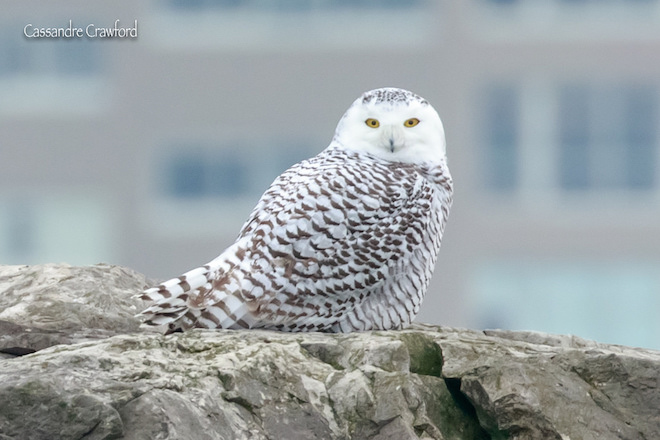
{"x":344,"y":241}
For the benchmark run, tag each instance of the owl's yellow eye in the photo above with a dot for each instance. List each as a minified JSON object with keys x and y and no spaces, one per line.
{"x":411,"y":122}
{"x":373,"y":123}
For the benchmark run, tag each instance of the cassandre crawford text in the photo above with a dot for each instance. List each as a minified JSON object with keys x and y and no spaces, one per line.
{"x":90,"y":31}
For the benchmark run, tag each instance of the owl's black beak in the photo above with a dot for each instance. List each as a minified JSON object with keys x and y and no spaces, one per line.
{"x":393,"y":138}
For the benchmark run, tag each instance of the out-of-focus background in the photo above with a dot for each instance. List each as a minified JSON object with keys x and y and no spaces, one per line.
{"x":151,"y":152}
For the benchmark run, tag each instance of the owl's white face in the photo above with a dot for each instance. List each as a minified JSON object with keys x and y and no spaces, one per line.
{"x":395,"y":125}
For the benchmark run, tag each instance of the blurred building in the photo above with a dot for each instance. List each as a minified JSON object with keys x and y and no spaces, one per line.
{"x":151,"y":152}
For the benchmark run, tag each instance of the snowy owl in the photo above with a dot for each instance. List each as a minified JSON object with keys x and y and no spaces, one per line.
{"x":345,"y":241}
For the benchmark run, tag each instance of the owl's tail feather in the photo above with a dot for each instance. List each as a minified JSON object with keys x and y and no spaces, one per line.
{"x":176,"y":287}
{"x":175,"y":298}
{"x":205,"y":297}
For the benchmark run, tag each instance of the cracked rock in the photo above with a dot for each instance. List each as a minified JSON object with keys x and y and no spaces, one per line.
{"x":95,"y":375}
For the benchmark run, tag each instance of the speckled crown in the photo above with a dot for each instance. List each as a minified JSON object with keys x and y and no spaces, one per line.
{"x":391,"y":95}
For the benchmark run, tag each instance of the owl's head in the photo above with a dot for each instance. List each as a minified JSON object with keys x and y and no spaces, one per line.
{"x":393,"y":124}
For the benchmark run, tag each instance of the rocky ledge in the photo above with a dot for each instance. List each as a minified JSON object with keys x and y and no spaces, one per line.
{"x":95,"y":375}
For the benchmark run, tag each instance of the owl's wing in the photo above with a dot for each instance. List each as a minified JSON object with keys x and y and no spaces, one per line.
{"x":328,"y":233}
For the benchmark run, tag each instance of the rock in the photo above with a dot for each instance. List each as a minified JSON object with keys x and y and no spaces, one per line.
{"x":426,"y":382}
{"x":50,"y":304}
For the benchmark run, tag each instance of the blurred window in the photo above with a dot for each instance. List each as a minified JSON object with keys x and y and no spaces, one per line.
{"x":500,"y":128}
{"x":576,"y":137}
{"x":77,"y":57}
{"x":197,"y":185}
{"x":607,"y":137}
{"x":204,"y":4}
{"x":292,"y":5}
{"x":46,"y":57}
{"x":610,"y":301}
{"x":50,"y":76}
{"x":12,"y":59}
{"x":572,"y":2}
{"x":198,"y":172}
{"x":43,"y":227}
{"x":212,"y":171}
{"x":295,"y":25}
{"x":517,"y":21}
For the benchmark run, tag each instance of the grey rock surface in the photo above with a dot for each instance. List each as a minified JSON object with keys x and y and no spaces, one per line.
{"x":52,"y":304}
{"x":423,"y":383}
